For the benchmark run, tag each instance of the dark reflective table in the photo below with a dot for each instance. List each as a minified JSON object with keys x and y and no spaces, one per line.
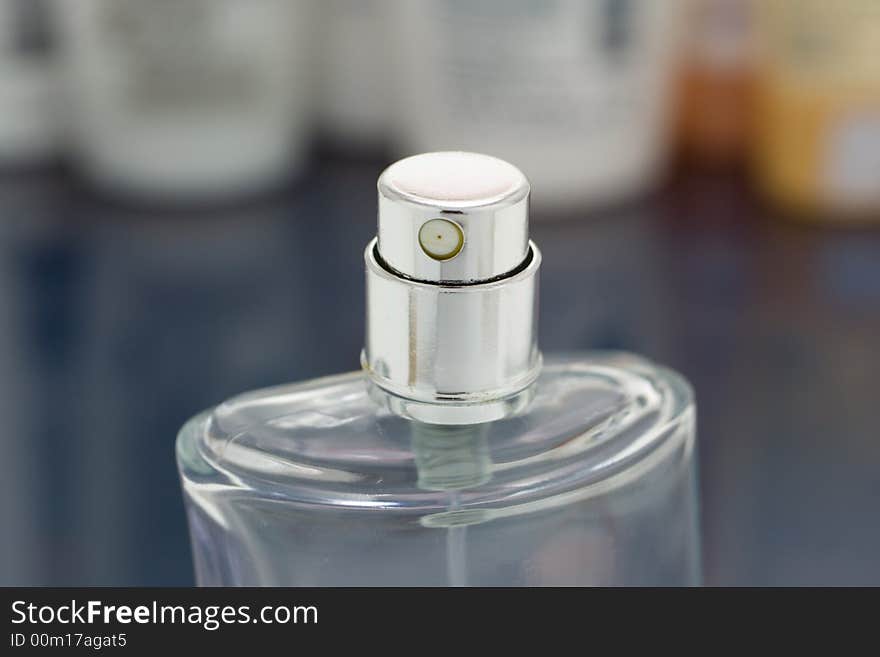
{"x":118,"y":323}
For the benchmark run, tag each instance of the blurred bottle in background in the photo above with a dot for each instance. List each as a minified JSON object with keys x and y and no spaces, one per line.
{"x":29,"y":131}
{"x":818,"y":103}
{"x":186,"y":100}
{"x":354,"y":85}
{"x":716,"y":81}
{"x":576,"y":93}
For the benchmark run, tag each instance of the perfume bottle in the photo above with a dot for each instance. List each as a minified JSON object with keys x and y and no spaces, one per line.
{"x":186,"y":100}
{"x":457,"y":456}
{"x":716,"y":82}
{"x":817,"y":133}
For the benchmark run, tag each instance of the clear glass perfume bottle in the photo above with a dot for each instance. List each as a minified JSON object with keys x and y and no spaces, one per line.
{"x":457,"y":456}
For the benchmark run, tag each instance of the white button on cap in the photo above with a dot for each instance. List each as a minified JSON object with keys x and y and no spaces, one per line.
{"x":454,"y":178}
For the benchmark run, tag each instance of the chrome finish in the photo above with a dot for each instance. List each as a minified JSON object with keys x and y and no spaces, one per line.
{"x":452,"y":341}
{"x":485,"y":196}
{"x":439,"y":344}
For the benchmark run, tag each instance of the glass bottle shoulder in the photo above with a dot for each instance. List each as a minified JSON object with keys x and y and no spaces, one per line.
{"x":597,"y":421}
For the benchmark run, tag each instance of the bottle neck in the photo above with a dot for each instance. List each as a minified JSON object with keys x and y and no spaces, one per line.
{"x":451,"y":458}
{"x":450,"y":413}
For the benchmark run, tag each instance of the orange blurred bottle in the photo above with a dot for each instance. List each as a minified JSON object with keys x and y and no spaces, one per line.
{"x":818,"y":107}
{"x":717,"y":81}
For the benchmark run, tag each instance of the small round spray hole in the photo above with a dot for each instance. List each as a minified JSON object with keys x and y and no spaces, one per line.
{"x":441,"y":239}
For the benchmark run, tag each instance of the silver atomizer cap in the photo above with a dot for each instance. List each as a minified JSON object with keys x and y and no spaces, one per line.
{"x":452,"y":289}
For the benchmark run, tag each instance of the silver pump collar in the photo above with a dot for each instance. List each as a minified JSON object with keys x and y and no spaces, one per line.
{"x":452,"y":289}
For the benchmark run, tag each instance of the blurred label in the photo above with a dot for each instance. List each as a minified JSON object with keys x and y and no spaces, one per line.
{"x":822,"y":42}
{"x":819,"y":104}
{"x":183,"y":54}
{"x":540,"y":64}
{"x":617,"y":32}
{"x":24,"y":28}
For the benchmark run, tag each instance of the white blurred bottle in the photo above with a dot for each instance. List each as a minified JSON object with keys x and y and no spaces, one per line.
{"x":354,"y":89}
{"x":186,"y":100}
{"x":575,"y":92}
{"x":28,"y":126}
